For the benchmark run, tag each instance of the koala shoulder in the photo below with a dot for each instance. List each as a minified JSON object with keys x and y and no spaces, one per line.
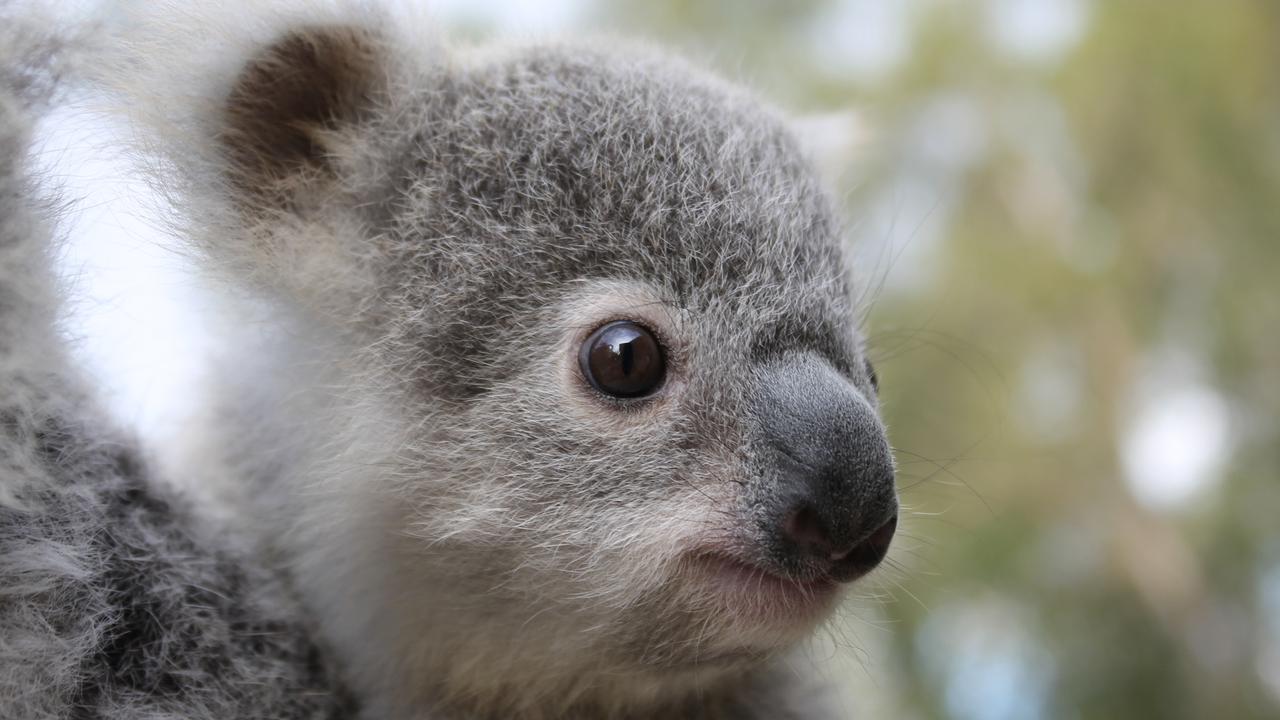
{"x":110,"y":603}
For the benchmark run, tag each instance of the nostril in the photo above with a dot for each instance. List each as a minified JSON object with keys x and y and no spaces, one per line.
{"x":810,"y":534}
{"x":805,"y":528}
{"x":863,"y":558}
{"x":877,"y":543}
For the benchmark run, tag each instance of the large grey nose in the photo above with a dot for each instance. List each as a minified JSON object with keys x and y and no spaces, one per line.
{"x":833,"y":501}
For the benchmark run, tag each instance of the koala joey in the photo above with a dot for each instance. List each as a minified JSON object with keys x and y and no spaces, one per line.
{"x":554,"y":404}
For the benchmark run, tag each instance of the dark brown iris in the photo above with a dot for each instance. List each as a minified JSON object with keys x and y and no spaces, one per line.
{"x":623,"y":359}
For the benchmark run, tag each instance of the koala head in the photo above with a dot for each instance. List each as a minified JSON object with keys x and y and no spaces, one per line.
{"x":598,"y":303}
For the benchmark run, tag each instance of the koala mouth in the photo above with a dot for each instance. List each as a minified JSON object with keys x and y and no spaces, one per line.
{"x":747,"y":587}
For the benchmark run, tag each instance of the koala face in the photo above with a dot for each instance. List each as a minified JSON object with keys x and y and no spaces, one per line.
{"x":608,"y":298}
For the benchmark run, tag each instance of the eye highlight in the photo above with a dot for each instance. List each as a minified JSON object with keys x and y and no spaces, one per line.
{"x":623,"y":359}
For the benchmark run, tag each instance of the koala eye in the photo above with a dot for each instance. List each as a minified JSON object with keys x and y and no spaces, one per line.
{"x":623,"y":359}
{"x":871,"y":375}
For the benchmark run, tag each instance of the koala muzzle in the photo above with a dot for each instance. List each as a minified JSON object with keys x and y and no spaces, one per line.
{"x":829,"y":500}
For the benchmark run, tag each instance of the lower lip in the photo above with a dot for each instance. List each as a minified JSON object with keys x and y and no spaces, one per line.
{"x":749,"y":586}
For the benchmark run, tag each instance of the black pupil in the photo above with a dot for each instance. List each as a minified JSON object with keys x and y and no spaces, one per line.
{"x":623,"y":359}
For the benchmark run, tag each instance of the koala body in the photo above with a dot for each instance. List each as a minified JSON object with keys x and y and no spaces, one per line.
{"x":556,"y":405}
{"x":112,"y":605}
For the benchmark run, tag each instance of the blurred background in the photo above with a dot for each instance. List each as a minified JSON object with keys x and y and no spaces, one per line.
{"x":1067,"y":220}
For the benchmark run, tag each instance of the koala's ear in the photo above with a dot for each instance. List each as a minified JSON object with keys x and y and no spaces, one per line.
{"x":288,"y":104}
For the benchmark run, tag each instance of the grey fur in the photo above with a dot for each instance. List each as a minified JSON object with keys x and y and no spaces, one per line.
{"x":110,"y":605}
{"x":427,"y":236}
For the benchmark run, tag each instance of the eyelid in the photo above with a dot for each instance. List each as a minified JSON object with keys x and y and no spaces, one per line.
{"x":671,"y":349}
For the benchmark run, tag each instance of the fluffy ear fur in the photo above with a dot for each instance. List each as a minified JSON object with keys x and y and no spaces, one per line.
{"x":289,"y":98}
{"x":244,"y":120}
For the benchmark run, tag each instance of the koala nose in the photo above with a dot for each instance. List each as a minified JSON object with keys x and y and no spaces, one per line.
{"x":831,"y":489}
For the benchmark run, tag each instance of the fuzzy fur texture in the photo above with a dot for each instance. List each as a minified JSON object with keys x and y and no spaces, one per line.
{"x":111,"y":606}
{"x":426,"y":236}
